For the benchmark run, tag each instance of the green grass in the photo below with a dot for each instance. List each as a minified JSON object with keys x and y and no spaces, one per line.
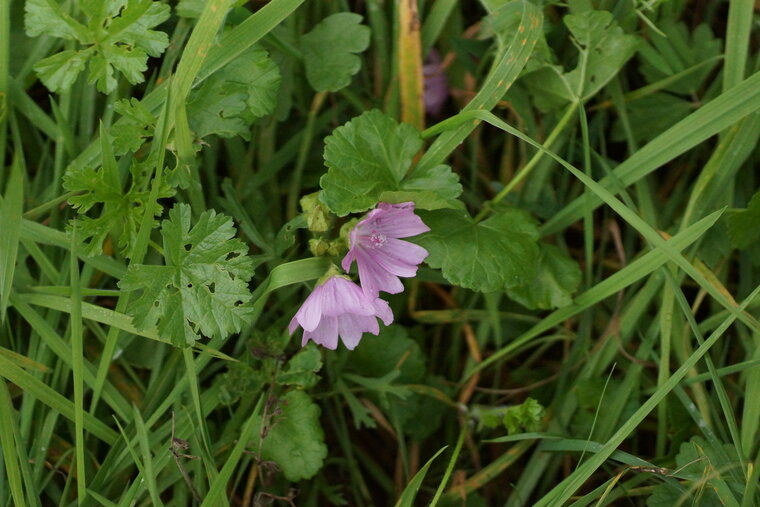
{"x":644,"y":362}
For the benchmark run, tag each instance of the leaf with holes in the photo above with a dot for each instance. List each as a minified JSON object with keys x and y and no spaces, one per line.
{"x":203,"y":287}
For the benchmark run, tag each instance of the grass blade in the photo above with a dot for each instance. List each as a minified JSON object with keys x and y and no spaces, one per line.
{"x":10,"y":220}
{"x":77,"y":359}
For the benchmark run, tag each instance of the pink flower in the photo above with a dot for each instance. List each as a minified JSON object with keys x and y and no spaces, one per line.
{"x":379,"y":253}
{"x":436,"y":85}
{"x":339,"y":307}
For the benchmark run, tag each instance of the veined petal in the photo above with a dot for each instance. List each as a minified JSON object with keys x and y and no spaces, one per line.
{"x":344,"y":296}
{"x":399,"y":257}
{"x":395,"y":220}
{"x":352,"y":327}
{"x":374,"y":278}
{"x":326,"y":334}
{"x":293,"y":325}
{"x":311,"y":310}
{"x":349,"y":258}
{"x":383,"y":310}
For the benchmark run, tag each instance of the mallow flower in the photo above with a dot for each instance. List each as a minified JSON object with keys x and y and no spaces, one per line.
{"x":436,"y":85}
{"x":339,"y":307}
{"x":379,"y":253}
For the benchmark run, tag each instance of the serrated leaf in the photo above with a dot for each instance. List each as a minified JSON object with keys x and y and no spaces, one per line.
{"x":500,"y":252}
{"x":557,"y":278}
{"x":46,"y":17}
{"x":101,"y":74}
{"x":677,"y":50}
{"x":137,"y":124}
{"x":119,"y":37}
{"x":133,"y":26}
{"x":525,"y":417}
{"x":58,"y":72}
{"x":605,"y":46}
{"x":743,"y":224}
{"x":368,"y":159}
{"x":121,"y":213}
{"x":202,"y":288}
{"x":301,"y":369}
{"x":295,"y":440}
{"x":131,"y":62}
{"x":604,"y":49}
{"x":329,"y":51}
{"x":233,"y":98}
{"x":435,"y":188}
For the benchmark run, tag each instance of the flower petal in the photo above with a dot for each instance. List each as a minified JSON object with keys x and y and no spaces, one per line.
{"x":399,"y":257}
{"x":374,"y":278}
{"x":344,"y":296}
{"x":326,"y":334}
{"x":293,"y":325}
{"x":310,"y":312}
{"x":352,"y":327}
{"x":349,"y":258}
{"x":383,"y":310}
{"x":396,"y":220}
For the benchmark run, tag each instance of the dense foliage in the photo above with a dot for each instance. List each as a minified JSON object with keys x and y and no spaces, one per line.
{"x":383,"y":252}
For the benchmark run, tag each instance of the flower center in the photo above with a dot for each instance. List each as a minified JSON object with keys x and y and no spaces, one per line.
{"x":376,"y":240}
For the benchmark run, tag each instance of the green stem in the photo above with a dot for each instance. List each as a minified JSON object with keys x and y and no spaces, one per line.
{"x":532,"y":163}
{"x":303,"y":155}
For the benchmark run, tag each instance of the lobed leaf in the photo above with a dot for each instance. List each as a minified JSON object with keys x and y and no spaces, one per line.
{"x":202,"y":288}
{"x":329,"y":51}
{"x":500,"y":252}
{"x":368,"y":159}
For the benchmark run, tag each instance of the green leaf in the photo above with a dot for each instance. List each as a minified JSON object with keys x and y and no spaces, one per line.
{"x":121,"y":213}
{"x":677,"y":50}
{"x":133,"y":26}
{"x":137,"y":124}
{"x":329,"y":51}
{"x":302,"y":368}
{"x":58,"y":72}
{"x":231,"y":99}
{"x":190,"y":8}
{"x":498,"y":253}
{"x":652,"y":115}
{"x":240,"y":381}
{"x":525,"y":417}
{"x":368,"y":159}
{"x":202,"y":288}
{"x":294,"y":440}
{"x":557,"y":278}
{"x":605,"y":49}
{"x":743,"y":224}
{"x":130,"y":62}
{"x":376,"y":356}
{"x":119,"y":36}
{"x":407,"y":497}
{"x":435,"y":188}
{"x":46,"y":17}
